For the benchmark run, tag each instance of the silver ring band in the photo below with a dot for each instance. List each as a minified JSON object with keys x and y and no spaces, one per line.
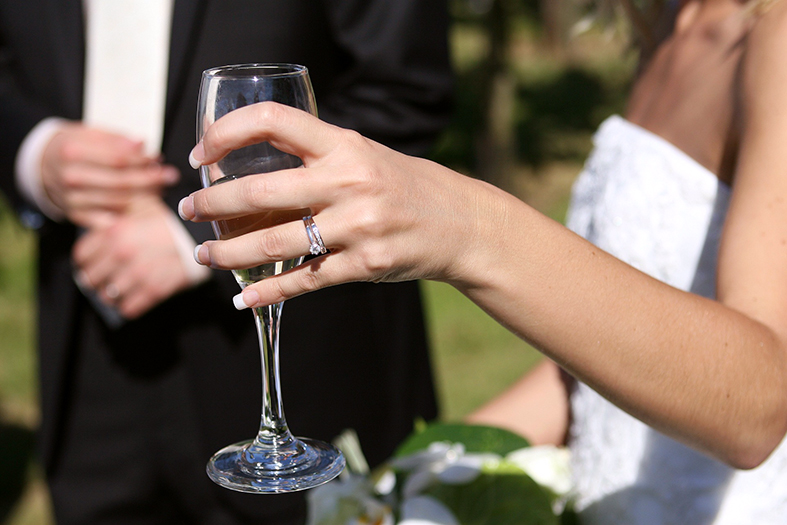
{"x":316,"y":246}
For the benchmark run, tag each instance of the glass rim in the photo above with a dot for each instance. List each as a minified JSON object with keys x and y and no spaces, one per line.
{"x":255,"y":70}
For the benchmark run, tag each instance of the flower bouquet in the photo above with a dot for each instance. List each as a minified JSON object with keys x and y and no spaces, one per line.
{"x":449,"y":474}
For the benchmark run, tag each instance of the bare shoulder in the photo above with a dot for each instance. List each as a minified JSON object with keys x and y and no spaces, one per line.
{"x":768,"y":37}
{"x":764,"y":66}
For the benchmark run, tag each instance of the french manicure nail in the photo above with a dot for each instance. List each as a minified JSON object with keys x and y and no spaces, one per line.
{"x":186,"y":208}
{"x":197,"y":248}
{"x":239,"y":303}
{"x":196,"y":156}
{"x":246,"y":299}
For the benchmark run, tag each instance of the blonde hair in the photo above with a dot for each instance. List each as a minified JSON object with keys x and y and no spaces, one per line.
{"x":758,"y":7}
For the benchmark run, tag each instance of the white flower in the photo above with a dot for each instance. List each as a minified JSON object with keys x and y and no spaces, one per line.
{"x":438,"y":452}
{"x":463,"y":470}
{"x":386,"y":483}
{"x":441,"y":463}
{"x":547,"y":465}
{"x":426,"y":510}
{"x":348,"y":500}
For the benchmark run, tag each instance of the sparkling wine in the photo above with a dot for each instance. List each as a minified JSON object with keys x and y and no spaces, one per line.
{"x":274,"y":460}
{"x":231,"y":228}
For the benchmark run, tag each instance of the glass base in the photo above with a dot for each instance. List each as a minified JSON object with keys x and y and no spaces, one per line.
{"x":302,"y":464}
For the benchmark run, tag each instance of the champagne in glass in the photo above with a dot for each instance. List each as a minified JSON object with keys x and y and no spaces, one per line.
{"x":274,"y":461}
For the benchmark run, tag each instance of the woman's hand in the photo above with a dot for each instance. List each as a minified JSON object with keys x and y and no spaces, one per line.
{"x":384,"y":216}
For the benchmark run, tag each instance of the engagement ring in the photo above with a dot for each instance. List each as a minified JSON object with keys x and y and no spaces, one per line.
{"x":316,"y":246}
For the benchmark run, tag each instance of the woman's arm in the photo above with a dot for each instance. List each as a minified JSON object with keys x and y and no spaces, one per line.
{"x":712,"y":374}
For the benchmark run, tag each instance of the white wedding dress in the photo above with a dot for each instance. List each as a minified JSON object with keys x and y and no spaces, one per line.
{"x":646,"y":202}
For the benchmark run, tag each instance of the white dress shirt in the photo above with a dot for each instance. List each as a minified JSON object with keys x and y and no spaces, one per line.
{"x":126,"y":64}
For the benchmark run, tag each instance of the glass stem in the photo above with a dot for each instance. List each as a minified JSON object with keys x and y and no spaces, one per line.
{"x":273,"y":431}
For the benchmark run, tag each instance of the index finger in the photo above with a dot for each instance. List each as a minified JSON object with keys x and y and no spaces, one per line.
{"x":286,"y":128}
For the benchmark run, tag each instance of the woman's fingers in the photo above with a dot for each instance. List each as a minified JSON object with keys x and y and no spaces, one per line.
{"x":291,"y":189}
{"x":286,"y":241}
{"x":274,"y":243}
{"x":289,"y":129}
{"x":379,"y":212}
{"x":314,"y":274}
{"x":279,"y":243}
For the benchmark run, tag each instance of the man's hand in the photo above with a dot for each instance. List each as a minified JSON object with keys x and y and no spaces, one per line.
{"x":133,"y":263}
{"x":93,"y":175}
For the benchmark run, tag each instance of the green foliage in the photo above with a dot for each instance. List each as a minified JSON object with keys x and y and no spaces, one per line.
{"x":502,"y":493}
{"x":497,"y":497}
{"x":552,"y":99}
{"x":475,"y":438}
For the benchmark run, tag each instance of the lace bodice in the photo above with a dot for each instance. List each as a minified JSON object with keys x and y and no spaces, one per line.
{"x":649,"y":204}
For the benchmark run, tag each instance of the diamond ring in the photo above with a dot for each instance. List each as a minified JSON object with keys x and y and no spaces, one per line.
{"x":316,"y":246}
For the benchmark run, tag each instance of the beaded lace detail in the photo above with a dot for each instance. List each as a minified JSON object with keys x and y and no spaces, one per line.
{"x":649,"y":204}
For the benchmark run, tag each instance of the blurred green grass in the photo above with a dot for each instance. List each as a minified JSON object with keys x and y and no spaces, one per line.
{"x":22,"y":494}
{"x":474,"y":357}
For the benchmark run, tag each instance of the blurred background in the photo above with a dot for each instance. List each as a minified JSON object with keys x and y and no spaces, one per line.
{"x":534,"y":79}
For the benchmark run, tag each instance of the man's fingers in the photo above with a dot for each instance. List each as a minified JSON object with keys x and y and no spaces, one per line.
{"x":150,"y":176}
{"x":91,"y":257}
{"x":92,"y":189}
{"x":90,"y":145}
{"x":94,"y":219}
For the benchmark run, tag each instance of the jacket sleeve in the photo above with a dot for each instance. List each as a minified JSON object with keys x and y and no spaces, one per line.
{"x":18,"y":115}
{"x":397,"y":88}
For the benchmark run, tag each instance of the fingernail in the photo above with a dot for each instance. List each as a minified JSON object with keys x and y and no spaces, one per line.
{"x":197,"y":250}
{"x":246,"y":299}
{"x":196,"y":156}
{"x":186,"y":208}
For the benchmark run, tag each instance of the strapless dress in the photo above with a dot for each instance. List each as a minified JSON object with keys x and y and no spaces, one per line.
{"x":646,"y":202}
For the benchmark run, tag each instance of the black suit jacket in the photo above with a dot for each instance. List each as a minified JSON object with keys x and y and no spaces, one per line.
{"x":360,"y":359}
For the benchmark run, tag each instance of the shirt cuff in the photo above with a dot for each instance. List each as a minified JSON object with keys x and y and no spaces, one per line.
{"x":27,"y":166}
{"x":185,"y":245}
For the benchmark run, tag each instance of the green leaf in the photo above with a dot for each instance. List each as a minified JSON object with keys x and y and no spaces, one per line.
{"x":475,"y":438}
{"x":499,"y":498}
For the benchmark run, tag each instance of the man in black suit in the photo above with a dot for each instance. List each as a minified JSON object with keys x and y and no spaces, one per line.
{"x":130,"y":414}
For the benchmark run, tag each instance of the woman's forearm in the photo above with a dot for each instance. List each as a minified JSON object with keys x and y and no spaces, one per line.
{"x":711,"y":374}
{"x":691,"y":367}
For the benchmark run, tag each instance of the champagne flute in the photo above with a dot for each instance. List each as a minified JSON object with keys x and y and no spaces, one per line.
{"x":274,"y":461}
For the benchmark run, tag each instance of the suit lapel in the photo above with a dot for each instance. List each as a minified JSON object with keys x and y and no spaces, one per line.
{"x":185,"y":25}
{"x":66,"y":29}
